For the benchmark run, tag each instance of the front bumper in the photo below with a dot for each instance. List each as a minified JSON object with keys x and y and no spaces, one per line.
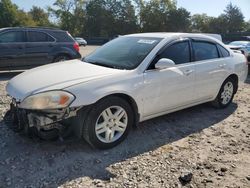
{"x":39,"y":121}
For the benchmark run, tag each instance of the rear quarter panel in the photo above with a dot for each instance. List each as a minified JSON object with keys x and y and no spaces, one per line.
{"x":240,"y":66}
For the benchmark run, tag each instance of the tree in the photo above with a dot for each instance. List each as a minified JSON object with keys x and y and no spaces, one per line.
{"x":234,"y":19}
{"x":40,"y":17}
{"x":24,"y":19}
{"x":247,"y":26}
{"x":154,"y":15}
{"x":108,"y":18}
{"x":178,"y":20}
{"x":70,"y":15}
{"x":8,"y":14}
{"x":200,"y":23}
{"x":218,"y":25}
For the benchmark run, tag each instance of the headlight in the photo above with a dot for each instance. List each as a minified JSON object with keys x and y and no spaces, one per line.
{"x":47,"y":100}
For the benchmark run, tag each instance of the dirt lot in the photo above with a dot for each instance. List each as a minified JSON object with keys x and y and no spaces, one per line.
{"x":87,"y":50}
{"x":196,"y":147}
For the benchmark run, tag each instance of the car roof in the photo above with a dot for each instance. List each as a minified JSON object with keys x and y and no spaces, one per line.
{"x":174,"y":35}
{"x":32,"y":28}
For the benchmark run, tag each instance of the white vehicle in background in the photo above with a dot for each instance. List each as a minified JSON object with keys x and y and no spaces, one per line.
{"x":216,"y":36}
{"x":243,"y":46}
{"x":81,"y":41}
{"x":130,"y":79}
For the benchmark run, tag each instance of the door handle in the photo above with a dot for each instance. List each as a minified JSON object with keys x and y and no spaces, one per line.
{"x":188,"y":72}
{"x":222,"y":65}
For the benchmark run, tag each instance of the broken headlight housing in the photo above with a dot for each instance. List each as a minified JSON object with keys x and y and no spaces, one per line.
{"x":47,"y":100}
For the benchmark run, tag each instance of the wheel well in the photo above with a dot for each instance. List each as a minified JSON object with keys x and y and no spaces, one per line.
{"x":132,"y":103}
{"x":236,"y":80}
{"x":62,"y":54}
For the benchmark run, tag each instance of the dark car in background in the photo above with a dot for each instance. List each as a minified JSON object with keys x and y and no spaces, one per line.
{"x":23,"y":48}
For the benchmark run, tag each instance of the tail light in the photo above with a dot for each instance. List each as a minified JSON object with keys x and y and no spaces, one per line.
{"x":76,"y":46}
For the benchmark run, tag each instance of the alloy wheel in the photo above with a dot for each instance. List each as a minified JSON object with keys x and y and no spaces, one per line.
{"x":111,"y":124}
{"x":227,"y":93}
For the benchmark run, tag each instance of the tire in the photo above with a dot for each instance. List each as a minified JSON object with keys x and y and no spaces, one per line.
{"x":61,"y":58}
{"x":226,"y":94}
{"x":102,"y":128}
{"x":50,"y":135}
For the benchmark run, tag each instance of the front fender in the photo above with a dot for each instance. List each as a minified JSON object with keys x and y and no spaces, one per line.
{"x":91,"y":92}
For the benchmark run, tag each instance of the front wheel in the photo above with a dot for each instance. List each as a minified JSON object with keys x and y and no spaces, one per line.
{"x":226,"y":94}
{"x":108,"y":122}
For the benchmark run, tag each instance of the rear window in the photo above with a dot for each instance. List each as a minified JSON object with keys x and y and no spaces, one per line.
{"x":12,"y":36}
{"x":223,"y":51}
{"x":35,"y":36}
{"x":62,"y":36}
{"x":205,"y":50}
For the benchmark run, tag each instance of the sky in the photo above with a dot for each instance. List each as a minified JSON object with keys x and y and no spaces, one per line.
{"x":210,"y":7}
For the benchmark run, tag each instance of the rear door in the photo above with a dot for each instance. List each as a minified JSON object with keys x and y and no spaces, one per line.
{"x":38,"y":48}
{"x":12,"y":45}
{"x":211,"y":68}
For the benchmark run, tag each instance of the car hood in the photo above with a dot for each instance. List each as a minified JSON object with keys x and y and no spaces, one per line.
{"x":56,"y":76}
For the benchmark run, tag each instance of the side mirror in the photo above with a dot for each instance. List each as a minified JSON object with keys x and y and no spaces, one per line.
{"x":164,"y":63}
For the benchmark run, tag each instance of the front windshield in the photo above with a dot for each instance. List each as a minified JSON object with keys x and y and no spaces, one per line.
{"x":123,"y":52}
{"x":239,"y":43}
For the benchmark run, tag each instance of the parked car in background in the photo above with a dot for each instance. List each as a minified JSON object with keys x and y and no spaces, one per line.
{"x":22,"y":48}
{"x":128,"y":80}
{"x":243,"y":46}
{"x":81,"y":41}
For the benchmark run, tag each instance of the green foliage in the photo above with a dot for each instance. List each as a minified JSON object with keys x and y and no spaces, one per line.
{"x":71,"y":15}
{"x":108,"y":18}
{"x":179,"y":20}
{"x":234,"y":19}
{"x":39,"y":16}
{"x":11,"y":16}
{"x":154,"y":14}
{"x":200,"y":22}
{"x":8,"y":14}
{"x":247,"y":26}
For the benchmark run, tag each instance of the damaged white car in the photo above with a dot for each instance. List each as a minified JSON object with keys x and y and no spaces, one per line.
{"x":131,"y":79}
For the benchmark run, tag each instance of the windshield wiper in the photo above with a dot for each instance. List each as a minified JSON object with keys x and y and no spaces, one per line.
{"x":102,"y":64}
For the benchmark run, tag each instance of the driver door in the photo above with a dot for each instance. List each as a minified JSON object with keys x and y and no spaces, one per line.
{"x":173,"y":87}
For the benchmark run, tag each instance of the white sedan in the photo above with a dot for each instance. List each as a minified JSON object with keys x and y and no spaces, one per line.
{"x":131,"y":79}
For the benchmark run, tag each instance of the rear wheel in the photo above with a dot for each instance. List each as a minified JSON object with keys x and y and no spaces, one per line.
{"x":108,"y":123}
{"x":226,"y":94}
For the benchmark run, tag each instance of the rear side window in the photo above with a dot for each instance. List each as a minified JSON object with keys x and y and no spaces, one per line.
{"x":178,"y":52}
{"x":62,"y":36}
{"x":223,"y":51}
{"x":34,"y":36}
{"x":205,"y":50}
{"x":12,"y":36}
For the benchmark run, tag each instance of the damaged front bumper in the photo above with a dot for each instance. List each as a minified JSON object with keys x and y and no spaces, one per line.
{"x":43,"y":122}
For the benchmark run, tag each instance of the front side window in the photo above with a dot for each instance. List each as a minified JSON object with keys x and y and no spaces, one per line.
{"x":34,"y":36}
{"x":123,"y":52}
{"x":178,"y":52}
{"x":205,"y":50}
{"x":12,"y":37}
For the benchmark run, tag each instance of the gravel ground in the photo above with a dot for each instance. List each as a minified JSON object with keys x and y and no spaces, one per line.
{"x":196,"y":147}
